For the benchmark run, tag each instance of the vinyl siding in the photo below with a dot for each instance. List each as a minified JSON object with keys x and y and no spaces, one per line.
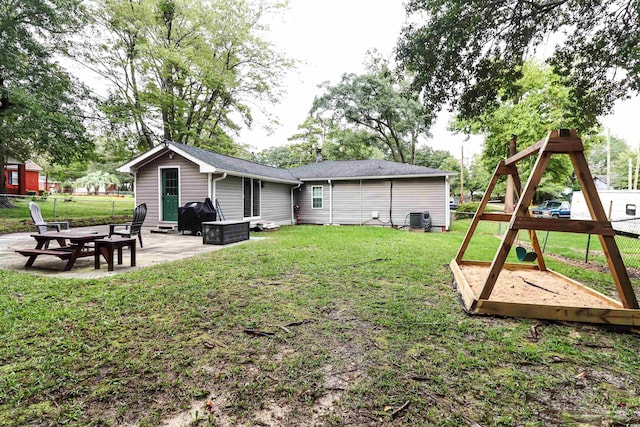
{"x":303,"y":199}
{"x":376,"y":196}
{"x":276,"y":203}
{"x":354,"y":201}
{"x":346,"y":203}
{"x":229,"y":194}
{"x":193,"y":185}
{"x":417,"y":195}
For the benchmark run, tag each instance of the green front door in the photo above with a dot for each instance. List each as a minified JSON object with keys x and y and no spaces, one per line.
{"x":169,"y":194}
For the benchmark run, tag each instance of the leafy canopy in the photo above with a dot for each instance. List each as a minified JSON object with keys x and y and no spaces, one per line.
{"x":41,"y":108}
{"x":540,"y":103}
{"x":464,"y":52}
{"x":378,"y":108}
{"x":188,"y":71}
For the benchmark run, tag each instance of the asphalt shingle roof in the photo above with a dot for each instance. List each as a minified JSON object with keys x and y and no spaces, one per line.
{"x":234,"y":164}
{"x":336,"y":169}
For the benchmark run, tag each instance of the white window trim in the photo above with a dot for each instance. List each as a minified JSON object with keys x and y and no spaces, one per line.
{"x":260,"y":186}
{"x":13,"y":178}
{"x":321,"y":187}
{"x":160,"y":168}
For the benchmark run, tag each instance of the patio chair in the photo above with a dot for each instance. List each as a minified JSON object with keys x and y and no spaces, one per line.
{"x":133,"y":228}
{"x":42,"y":225}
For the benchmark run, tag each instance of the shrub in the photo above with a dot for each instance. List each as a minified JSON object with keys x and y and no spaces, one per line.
{"x":466,"y":210}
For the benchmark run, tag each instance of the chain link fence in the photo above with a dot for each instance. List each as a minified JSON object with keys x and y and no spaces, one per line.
{"x":67,"y":206}
{"x":581,"y":247}
{"x":628,"y":240}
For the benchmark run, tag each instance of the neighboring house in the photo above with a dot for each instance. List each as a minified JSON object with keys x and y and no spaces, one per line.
{"x":329,"y":192}
{"x":21,"y":177}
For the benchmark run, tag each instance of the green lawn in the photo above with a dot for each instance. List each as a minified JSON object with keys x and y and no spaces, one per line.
{"x":313,"y":325}
{"x":78,"y":210}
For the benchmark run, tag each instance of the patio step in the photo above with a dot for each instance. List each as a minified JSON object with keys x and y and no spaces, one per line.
{"x":165,"y":229}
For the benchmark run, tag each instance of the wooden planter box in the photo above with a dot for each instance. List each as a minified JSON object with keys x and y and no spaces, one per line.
{"x":224,"y":232}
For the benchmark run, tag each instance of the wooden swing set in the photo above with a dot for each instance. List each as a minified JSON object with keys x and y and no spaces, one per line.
{"x":531,"y":290}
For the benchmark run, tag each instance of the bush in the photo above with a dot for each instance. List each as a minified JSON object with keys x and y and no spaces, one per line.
{"x":31,"y":193}
{"x":466,"y":210}
{"x":43,"y":193}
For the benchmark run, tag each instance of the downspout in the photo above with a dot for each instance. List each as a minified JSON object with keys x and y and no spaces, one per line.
{"x":213,"y":183}
{"x":293,"y":214}
{"x":391,"y":202}
{"x":447,"y":191}
{"x":330,"y":202}
{"x":361,"y":222}
{"x":135,"y":187}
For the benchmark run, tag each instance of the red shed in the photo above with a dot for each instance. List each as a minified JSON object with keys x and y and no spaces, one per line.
{"x":22,"y":177}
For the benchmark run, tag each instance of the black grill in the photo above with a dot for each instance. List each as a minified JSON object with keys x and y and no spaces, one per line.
{"x":193,"y":214}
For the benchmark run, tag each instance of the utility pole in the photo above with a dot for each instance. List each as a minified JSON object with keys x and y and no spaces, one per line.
{"x":635,"y":181}
{"x":608,"y":159}
{"x":509,"y":205}
{"x":462,"y":175}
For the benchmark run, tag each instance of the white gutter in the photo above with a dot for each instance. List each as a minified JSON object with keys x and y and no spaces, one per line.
{"x":293,"y":214}
{"x":361,"y":222}
{"x":447,"y":190}
{"x":354,"y":178}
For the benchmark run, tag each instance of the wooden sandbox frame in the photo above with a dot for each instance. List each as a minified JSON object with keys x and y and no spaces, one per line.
{"x":533,"y":290}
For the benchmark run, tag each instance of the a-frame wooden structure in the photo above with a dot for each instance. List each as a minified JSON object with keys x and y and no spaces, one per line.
{"x":532,"y":290}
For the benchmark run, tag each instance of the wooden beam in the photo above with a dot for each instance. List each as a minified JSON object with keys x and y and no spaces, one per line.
{"x":466,"y":293}
{"x":507,"y":265}
{"x":608,"y":316}
{"x":564,"y":147}
{"x":608,"y":243}
{"x":521,"y":211}
{"x":529,"y":151}
{"x":565,"y":225}
{"x":495,"y":216}
{"x":503,"y":169}
{"x":479,"y":212}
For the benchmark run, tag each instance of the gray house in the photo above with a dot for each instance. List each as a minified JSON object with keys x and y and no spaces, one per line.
{"x":358,"y":192}
{"x":373,"y":192}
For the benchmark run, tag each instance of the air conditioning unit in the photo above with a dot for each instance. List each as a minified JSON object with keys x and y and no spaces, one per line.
{"x":420,"y":220}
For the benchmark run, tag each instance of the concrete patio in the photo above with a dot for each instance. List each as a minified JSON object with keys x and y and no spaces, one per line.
{"x":158,"y":248}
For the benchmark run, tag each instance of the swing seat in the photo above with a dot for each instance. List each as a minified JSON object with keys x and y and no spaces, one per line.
{"x":523,"y":255}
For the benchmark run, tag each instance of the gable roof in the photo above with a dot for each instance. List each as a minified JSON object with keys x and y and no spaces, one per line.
{"x":235,"y":166}
{"x":211,"y":162}
{"x":363,"y":169}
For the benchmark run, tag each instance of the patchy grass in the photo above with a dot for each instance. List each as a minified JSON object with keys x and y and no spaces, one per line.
{"x":314,"y":325}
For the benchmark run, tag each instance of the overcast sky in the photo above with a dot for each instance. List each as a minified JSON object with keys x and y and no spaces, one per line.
{"x":331,"y":37}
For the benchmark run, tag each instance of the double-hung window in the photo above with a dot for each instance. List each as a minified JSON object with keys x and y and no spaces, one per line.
{"x":316,"y":197}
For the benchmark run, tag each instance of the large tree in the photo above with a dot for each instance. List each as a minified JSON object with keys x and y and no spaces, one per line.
{"x":40,"y":108}
{"x":542,"y":102}
{"x":379,"y":107}
{"x":463,"y":52}
{"x":189,"y":71}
